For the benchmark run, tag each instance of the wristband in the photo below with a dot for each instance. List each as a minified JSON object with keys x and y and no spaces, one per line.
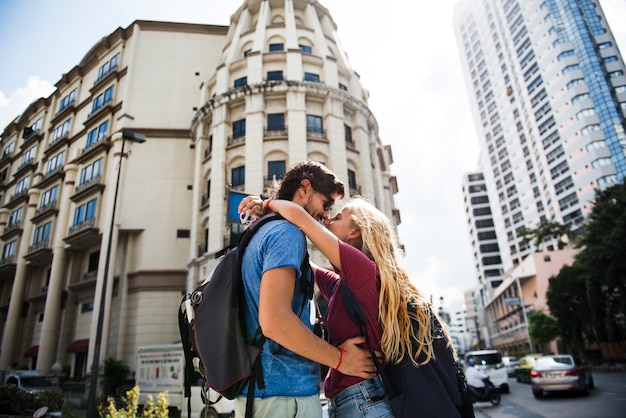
{"x":341,"y":351}
{"x":266,"y":202}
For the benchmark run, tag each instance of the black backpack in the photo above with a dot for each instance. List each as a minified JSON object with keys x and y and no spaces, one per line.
{"x":436,"y":389}
{"x":212,"y":329}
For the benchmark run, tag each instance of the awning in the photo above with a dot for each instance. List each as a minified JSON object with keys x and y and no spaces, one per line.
{"x":78,"y":346}
{"x":32,"y":352}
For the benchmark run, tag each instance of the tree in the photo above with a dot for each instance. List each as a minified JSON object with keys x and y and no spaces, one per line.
{"x":114,"y":375}
{"x":569,"y":304}
{"x":546,"y":229}
{"x":604,"y":256}
{"x":543,"y":328}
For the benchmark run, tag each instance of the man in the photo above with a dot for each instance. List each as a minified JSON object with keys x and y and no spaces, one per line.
{"x":277,"y":299}
{"x":475,"y":378}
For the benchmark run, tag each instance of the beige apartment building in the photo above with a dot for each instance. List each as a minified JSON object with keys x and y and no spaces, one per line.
{"x":224,"y":111}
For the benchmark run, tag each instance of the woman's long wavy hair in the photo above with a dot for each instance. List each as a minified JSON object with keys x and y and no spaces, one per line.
{"x":399,"y":299}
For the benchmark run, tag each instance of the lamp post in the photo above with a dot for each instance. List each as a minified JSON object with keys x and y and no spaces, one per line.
{"x":93,"y":388}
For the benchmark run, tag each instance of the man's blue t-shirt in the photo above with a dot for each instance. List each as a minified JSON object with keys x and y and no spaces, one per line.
{"x":279,"y":244}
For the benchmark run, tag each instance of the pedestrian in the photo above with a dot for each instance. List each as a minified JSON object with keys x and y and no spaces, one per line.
{"x":277,"y":293}
{"x":361,"y":245}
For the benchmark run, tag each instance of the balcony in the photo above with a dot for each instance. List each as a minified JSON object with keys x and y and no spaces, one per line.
{"x":105,"y":108}
{"x":205,"y":202}
{"x":19,"y":197}
{"x":7,"y":267}
{"x":31,"y":137}
{"x":104,"y":78}
{"x":83,"y":235}
{"x":28,"y":165}
{"x":57,"y":143}
{"x":51,"y":176}
{"x":316,"y":135}
{"x":88,"y":187}
{"x":62,"y":113}
{"x":44,"y":211}
{"x":11,"y":230}
{"x":236,"y":141}
{"x":103,"y":144}
{"x":275,"y":133}
{"x":40,"y":253}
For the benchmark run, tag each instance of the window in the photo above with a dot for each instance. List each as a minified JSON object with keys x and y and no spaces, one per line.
{"x":238,"y":176}
{"x":94,"y":260}
{"x":102,"y":99}
{"x":8,"y":150}
{"x":315,"y":78}
{"x":55,"y":162}
{"x":97,"y":134}
{"x":274,"y":76}
{"x":90,"y":172}
{"x":240,"y":82}
{"x":61,"y":130}
{"x":276,"y":122}
{"x":49,"y":197}
{"x":8,"y":250}
{"x":29,"y":155}
{"x":16,"y":216}
{"x":239,"y":128}
{"x":577,"y":82}
{"x":42,"y":233}
{"x":275,"y":169}
{"x":305,"y":49}
{"x":22,"y":185}
{"x":314,"y":124}
{"x":348,"y":134}
{"x":108,"y":66}
{"x":352,"y":182}
{"x":67,"y":100}
{"x":343,"y":87}
{"x":85,"y":212}
{"x":277,"y":47}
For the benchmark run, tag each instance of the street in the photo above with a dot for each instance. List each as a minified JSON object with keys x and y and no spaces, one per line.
{"x":607,"y":400}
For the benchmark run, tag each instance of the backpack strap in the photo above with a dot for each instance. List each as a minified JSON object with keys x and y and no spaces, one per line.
{"x":356,"y":313}
{"x":186,"y":338}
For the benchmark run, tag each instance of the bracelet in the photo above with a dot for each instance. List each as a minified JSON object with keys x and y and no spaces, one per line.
{"x":266,"y":202}
{"x":341,"y":351}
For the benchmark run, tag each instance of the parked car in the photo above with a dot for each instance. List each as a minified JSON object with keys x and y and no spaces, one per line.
{"x":526,"y":364}
{"x":31,"y":382}
{"x":510,"y":362}
{"x":490,"y":361}
{"x":561,"y":372}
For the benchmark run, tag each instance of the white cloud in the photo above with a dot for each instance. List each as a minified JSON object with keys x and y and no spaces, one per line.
{"x":16,"y":102}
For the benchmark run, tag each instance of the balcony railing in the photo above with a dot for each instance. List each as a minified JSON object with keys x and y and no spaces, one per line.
{"x":236,"y":140}
{"x":9,"y":259}
{"x":316,"y":134}
{"x":90,"y":275}
{"x":44,"y":243}
{"x":88,"y":183}
{"x":83,"y":225}
{"x":270,"y":133}
{"x":12,"y":226}
{"x":43,"y":208}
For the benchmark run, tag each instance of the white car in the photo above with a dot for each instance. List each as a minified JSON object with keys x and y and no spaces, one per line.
{"x":490,"y":361}
{"x":510,"y":362}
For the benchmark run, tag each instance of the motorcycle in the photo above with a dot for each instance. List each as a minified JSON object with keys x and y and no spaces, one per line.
{"x":489,"y":393}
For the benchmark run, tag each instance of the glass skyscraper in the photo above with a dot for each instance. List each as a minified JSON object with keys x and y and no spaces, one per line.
{"x":547,"y":91}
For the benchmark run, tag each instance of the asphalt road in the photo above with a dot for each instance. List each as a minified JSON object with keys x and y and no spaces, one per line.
{"x":607,"y":400}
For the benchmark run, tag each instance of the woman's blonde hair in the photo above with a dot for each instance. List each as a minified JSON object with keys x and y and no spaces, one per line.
{"x":399,"y":299}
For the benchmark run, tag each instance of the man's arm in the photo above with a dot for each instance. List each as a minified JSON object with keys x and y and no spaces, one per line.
{"x":280,"y":323}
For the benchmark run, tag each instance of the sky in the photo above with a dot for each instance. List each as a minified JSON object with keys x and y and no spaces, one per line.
{"x":405,"y":53}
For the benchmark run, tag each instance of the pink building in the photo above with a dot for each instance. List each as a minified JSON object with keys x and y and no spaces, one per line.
{"x":522,"y":292}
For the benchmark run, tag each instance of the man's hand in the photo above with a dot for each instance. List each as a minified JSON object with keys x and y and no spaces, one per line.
{"x":357,"y":361}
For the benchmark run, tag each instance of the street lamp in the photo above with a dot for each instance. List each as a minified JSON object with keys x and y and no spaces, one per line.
{"x":93,"y":389}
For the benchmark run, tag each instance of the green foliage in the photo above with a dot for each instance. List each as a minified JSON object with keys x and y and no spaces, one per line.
{"x":114,"y":374}
{"x":546,"y":230}
{"x":543,"y":328}
{"x":589,"y":297}
{"x":13,"y":400}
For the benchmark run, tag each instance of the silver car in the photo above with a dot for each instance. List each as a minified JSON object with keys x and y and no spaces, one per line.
{"x":560,"y":372}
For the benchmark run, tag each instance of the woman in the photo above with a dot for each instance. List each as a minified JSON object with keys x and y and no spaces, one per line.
{"x":360,"y":244}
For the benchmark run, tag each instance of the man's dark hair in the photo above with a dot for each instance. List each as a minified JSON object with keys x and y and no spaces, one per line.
{"x":322,"y":180}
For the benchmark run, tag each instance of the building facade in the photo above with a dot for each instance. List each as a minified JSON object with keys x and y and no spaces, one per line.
{"x":547,"y":89}
{"x":233,"y":108}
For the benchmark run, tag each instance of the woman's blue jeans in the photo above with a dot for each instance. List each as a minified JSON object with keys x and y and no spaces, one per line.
{"x":365,"y":399}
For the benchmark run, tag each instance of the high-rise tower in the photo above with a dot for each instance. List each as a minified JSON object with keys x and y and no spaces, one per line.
{"x":547,"y":90}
